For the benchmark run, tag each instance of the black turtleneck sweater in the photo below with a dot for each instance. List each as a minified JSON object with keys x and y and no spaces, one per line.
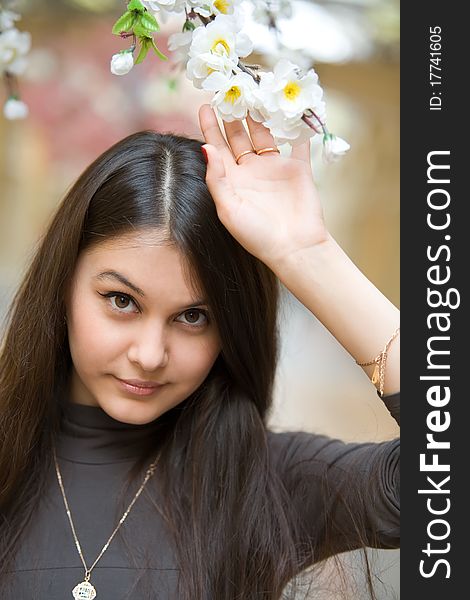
{"x":95,"y":453}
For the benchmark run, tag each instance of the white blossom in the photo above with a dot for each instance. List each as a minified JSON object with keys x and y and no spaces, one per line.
{"x":281,"y":99}
{"x":234,"y":95}
{"x":334,"y":147}
{"x":216,"y":7}
{"x":14,"y":45}
{"x":222,"y":37}
{"x":293,"y":131}
{"x":15,"y":109}
{"x":122,"y":63}
{"x":289,"y":91}
{"x":18,"y":66}
{"x":217,"y":47}
{"x":7,"y":19}
{"x":200,"y":67}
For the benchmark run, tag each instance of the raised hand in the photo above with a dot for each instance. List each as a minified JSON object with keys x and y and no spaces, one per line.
{"x":268,"y":202}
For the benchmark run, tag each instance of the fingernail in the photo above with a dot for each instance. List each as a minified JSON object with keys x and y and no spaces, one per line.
{"x":204,"y":153}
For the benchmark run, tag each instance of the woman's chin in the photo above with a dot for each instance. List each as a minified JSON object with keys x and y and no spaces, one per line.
{"x":132,"y":412}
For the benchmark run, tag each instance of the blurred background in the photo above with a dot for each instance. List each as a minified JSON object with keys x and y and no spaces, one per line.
{"x":78,"y":109}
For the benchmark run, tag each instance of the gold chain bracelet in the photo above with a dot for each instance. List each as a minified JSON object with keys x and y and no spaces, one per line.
{"x":380,"y":361}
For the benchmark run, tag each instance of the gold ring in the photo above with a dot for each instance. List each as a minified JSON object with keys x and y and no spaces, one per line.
{"x":263,"y":150}
{"x":244,"y":153}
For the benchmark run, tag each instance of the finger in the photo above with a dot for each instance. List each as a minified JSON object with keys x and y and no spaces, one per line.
{"x":260,"y":135}
{"x":239,"y":140}
{"x":302,"y":152}
{"x":212,"y":133}
{"x":219,"y":185}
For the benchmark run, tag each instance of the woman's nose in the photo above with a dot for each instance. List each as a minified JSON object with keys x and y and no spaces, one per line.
{"x":149,"y":349}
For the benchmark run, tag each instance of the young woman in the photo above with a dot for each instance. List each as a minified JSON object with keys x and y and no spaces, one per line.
{"x":136,"y":380}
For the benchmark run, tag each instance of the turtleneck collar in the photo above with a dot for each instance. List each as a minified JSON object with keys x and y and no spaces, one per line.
{"x":89,"y":435}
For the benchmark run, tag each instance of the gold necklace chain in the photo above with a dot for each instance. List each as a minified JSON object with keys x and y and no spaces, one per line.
{"x":85,"y":590}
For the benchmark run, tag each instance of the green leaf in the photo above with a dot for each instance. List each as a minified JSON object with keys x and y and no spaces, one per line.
{"x":188,"y":26}
{"x":144,"y":48}
{"x":124,"y":23}
{"x":136,"y":5}
{"x":149,"y":22}
{"x":141,"y":31}
{"x":157,"y":51}
{"x":172,"y":85}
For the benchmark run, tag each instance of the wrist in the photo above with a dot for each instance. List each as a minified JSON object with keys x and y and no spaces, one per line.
{"x":293,"y":258}
{"x":327,"y":282}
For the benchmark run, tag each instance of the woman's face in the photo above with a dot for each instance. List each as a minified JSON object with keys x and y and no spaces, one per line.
{"x":132,"y":317}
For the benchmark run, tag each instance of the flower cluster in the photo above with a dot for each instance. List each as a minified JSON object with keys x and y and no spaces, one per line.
{"x":211,"y":46}
{"x":14,"y":46}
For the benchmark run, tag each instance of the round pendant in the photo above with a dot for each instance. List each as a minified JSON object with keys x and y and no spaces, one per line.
{"x":84,"y":591}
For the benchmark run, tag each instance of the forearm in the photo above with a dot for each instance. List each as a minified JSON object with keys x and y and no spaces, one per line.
{"x":360,"y":317}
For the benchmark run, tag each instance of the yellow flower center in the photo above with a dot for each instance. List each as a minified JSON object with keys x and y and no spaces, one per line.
{"x":222,"y":6}
{"x":292,"y":90}
{"x":220,"y":47}
{"x":233,"y":94}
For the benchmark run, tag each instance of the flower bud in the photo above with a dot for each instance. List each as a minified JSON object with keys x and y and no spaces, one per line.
{"x":15,"y":109}
{"x":334,"y":147}
{"x":122,"y":63}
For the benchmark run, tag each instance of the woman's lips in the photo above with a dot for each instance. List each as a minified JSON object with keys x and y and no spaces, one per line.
{"x":139,"y":388}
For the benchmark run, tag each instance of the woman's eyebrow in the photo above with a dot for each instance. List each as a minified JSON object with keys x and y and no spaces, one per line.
{"x":122,"y":279}
{"x":119,"y":277}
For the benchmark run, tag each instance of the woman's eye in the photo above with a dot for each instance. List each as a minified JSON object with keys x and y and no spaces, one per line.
{"x":193,"y":315}
{"x":123,"y":303}
{"x":120,"y":302}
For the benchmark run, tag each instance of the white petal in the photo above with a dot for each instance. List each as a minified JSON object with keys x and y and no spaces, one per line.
{"x":216,"y":81}
{"x":18,"y":66}
{"x":243,"y":45}
{"x":284,"y":68}
{"x":341,"y":145}
{"x":176,"y":40}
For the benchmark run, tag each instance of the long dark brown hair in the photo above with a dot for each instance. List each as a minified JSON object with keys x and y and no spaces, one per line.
{"x":235,"y":528}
